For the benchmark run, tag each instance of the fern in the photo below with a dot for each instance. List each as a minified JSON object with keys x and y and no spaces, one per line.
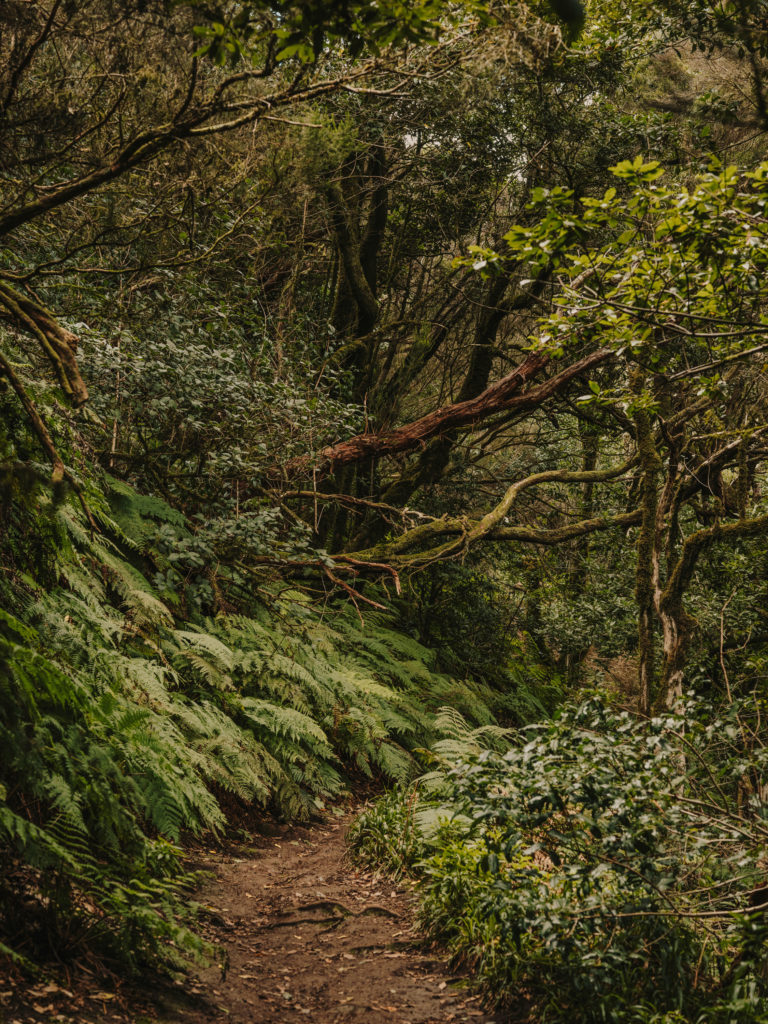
{"x":136,"y":515}
{"x":120,"y":722}
{"x":285,"y":722}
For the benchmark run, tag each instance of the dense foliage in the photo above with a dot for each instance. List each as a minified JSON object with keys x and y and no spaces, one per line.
{"x":359,"y":360}
{"x":600,"y":869}
{"x":126,"y":726}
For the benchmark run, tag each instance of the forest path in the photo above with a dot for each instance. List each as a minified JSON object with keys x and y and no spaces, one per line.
{"x":312,"y":937}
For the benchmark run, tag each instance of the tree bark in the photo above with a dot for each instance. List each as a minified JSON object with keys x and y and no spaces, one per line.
{"x":504,"y":395}
{"x":650,"y":465}
{"x":577,"y":558}
{"x":677,"y":624}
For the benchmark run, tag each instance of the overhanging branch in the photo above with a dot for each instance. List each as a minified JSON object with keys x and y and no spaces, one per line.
{"x":503,"y":395}
{"x":450,"y":537}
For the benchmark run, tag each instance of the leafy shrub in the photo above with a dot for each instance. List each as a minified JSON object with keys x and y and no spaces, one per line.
{"x":198,"y":409}
{"x":604,"y":868}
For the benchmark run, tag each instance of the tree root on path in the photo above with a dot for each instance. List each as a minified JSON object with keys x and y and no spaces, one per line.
{"x":334,"y":920}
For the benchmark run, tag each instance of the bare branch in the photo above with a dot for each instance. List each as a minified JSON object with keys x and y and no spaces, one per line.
{"x":503,"y":395}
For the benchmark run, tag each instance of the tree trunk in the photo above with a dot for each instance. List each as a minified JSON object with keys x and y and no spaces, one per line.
{"x":646,"y":572}
{"x":577,"y":573}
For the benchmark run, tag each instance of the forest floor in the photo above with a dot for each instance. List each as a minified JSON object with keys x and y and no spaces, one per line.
{"x":309,"y":936}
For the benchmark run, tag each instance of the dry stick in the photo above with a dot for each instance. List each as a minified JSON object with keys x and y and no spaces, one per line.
{"x":349,"y":499}
{"x":373,"y":565}
{"x":720,"y":362}
{"x":355,"y":595}
{"x":314,"y":504}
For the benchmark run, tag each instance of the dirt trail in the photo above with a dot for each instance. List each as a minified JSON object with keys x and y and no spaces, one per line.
{"x":309,"y":937}
{"x":312,"y":937}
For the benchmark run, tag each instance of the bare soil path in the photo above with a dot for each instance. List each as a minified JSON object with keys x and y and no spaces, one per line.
{"x":309,"y":937}
{"x":312,"y":937}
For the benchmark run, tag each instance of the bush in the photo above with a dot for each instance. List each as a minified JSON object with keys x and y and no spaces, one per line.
{"x":604,"y":868}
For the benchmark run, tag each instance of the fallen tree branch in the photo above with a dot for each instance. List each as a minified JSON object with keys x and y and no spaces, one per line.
{"x":354,"y":595}
{"x":503,"y":395}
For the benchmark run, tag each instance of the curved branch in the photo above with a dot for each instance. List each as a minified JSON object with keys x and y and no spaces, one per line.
{"x":492,"y":526}
{"x":696,"y":544}
{"x":496,"y":516}
{"x":152,"y":142}
{"x":504,"y":394}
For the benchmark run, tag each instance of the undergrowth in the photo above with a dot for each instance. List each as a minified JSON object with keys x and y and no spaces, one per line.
{"x":127,"y":707}
{"x":600,"y":869}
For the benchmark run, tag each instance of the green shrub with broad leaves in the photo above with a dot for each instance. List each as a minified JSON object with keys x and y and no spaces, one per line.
{"x":602,"y":868}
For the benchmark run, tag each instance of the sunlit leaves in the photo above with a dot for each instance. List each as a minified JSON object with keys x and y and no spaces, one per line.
{"x":302,"y":31}
{"x":668,"y":275}
{"x":636,"y":171}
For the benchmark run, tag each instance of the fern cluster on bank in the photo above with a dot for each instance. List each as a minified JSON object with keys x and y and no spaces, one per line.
{"x":127,"y":711}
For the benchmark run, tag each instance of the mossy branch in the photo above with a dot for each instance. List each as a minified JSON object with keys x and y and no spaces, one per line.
{"x":58,"y":344}
{"x":59,"y":471}
{"x":419,"y":546}
{"x":696,"y":544}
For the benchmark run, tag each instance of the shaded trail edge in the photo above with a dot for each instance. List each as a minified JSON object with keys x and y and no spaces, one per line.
{"x":307,"y":935}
